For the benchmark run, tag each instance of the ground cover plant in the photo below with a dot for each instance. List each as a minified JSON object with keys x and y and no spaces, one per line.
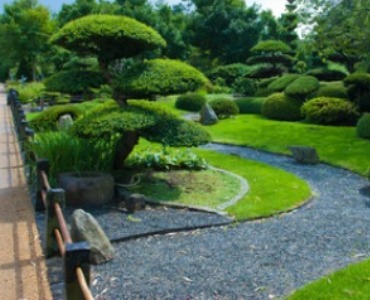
{"x":351,"y":282}
{"x":338,"y":146}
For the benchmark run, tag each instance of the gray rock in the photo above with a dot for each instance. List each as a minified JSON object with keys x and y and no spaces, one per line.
{"x":207,"y":115}
{"x":135,"y":202}
{"x":305,"y":154}
{"x":84,"y":227}
{"x":65,"y":122}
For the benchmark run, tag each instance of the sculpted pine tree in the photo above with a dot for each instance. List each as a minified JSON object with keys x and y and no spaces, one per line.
{"x":110,"y":38}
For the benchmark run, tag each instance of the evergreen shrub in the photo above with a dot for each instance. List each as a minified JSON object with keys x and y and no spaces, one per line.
{"x":359,"y":89}
{"x":245,"y":86}
{"x":280,"y":107}
{"x":302,"y":87}
{"x":324,"y":74}
{"x":250,"y":105}
{"x":363,"y":127}
{"x":332,"y":92}
{"x":228,"y":73}
{"x":330,"y":111}
{"x":190,"y":102}
{"x":279,"y":84}
{"x":224,"y":108}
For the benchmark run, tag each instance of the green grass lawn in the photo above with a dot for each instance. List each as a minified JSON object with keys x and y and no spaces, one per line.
{"x":352,"y":282}
{"x":336,"y":145}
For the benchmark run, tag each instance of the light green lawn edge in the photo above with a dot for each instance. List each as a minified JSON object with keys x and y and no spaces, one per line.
{"x":270,"y":189}
{"x":352,"y":282}
{"x":338,"y":146}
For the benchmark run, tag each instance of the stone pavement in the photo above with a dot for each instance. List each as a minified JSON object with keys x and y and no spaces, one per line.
{"x":22,"y":265}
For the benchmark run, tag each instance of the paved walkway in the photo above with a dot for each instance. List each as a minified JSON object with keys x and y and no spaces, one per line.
{"x":22,"y":265}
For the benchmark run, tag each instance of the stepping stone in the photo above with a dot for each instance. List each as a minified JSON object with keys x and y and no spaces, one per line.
{"x":305,"y":154}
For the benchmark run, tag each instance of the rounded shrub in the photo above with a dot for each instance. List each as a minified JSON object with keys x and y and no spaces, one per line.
{"x":224,"y":108}
{"x":74,"y":82}
{"x":279,"y":84}
{"x":250,"y":105}
{"x":363,"y":127}
{"x":280,"y":107}
{"x":245,"y":86}
{"x":359,"y":90}
{"x":228,"y":73}
{"x":190,"y":102}
{"x":48,"y":119}
{"x":332,"y":92}
{"x":329,"y":111}
{"x":324,"y":74}
{"x":302,"y":87}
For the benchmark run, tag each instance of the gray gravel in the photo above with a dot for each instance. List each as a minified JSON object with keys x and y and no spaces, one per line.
{"x":264,"y":259}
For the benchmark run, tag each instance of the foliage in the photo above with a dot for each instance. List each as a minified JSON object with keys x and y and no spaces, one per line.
{"x":74,"y":82}
{"x":190,"y":102}
{"x":107,"y":37}
{"x":279,"y":84}
{"x":229,"y":73}
{"x":280,"y":107}
{"x":69,"y":153}
{"x":250,"y":105}
{"x":28,"y":92}
{"x":159,"y":77}
{"x":330,"y":111}
{"x":338,"y":146}
{"x":271,"y":46}
{"x":224,"y":108}
{"x":333,"y":91}
{"x":359,"y":89}
{"x":266,"y":71}
{"x":289,"y":24}
{"x":48,"y":119}
{"x":363,"y":126}
{"x":245,"y":86}
{"x":302,"y":87}
{"x":166,"y":159}
{"x":324,"y":74}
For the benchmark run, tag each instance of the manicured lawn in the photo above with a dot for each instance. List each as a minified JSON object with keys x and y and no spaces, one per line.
{"x":352,"y":282}
{"x":336,"y":145}
{"x":270,"y":189}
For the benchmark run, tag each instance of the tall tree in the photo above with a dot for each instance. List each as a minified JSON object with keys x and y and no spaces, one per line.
{"x":25,"y":28}
{"x":289,"y":23}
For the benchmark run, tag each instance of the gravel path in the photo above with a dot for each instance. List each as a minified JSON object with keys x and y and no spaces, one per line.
{"x":254,"y":260}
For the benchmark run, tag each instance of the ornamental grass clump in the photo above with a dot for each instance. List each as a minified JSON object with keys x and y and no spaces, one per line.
{"x":330,"y":111}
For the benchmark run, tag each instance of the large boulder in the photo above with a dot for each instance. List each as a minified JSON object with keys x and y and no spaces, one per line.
{"x":305,"y":154}
{"x":207,"y":115}
{"x":84,"y":227}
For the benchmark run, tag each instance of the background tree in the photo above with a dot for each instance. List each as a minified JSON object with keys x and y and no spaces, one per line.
{"x":289,"y":23}
{"x":25,"y":28}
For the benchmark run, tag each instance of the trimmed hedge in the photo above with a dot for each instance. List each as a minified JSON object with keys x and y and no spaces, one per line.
{"x":74,"y":82}
{"x":359,"y":90}
{"x":279,"y":84}
{"x":160,"y":77}
{"x":224,"y":108}
{"x":48,"y":119}
{"x":330,"y":111}
{"x":280,"y":107}
{"x":251,"y":105}
{"x":324,"y":74}
{"x":363,"y":127}
{"x":190,"y":102}
{"x":245,"y":86}
{"x":332,"y":92}
{"x":302,"y":87}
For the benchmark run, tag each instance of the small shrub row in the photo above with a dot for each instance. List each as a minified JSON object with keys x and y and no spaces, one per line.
{"x":190,"y":102}
{"x":250,"y":105}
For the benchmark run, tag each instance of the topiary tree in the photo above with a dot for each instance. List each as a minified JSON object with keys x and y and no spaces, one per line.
{"x":302,"y":87}
{"x":110,"y":38}
{"x":274,"y":55}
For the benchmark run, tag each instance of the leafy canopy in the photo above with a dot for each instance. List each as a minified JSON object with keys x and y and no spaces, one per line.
{"x":108,"y":37}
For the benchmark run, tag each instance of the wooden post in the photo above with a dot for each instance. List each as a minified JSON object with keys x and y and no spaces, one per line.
{"x":53,"y":196}
{"x":76,"y":255}
{"x":41,"y":165}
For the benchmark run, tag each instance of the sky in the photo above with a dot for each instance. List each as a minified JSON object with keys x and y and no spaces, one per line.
{"x":277,"y":6}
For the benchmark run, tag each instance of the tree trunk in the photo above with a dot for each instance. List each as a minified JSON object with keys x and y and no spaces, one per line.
{"x":124,"y":147}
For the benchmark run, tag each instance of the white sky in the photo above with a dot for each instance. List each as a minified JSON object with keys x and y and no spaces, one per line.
{"x":277,"y":6}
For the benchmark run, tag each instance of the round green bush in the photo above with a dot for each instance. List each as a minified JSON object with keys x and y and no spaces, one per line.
{"x":302,"y":87}
{"x":224,"y":108}
{"x":359,"y":90}
{"x":74,"y":82}
{"x":245,"y":86}
{"x":250,"y":105}
{"x":190,"y":102}
{"x":329,"y":111}
{"x":48,"y":119}
{"x":363,"y":127}
{"x":332,"y":92}
{"x":280,"y":107}
{"x":279,"y":84}
{"x":324,"y":74}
